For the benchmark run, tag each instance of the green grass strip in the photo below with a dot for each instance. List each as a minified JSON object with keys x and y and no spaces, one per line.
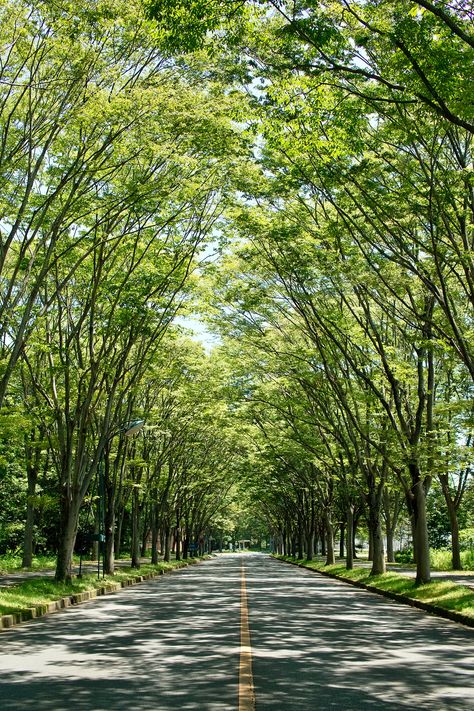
{"x":12,"y":564}
{"x":41,"y":591}
{"x":443,"y":594}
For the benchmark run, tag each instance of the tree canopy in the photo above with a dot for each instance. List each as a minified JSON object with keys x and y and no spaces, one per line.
{"x":299,"y":176}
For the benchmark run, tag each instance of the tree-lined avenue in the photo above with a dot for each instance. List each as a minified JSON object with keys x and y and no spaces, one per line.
{"x":176,"y":643}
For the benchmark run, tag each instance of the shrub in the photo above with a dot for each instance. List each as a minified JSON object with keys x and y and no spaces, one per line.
{"x":404,"y":556}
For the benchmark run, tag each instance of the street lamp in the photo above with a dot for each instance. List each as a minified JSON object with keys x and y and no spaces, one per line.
{"x":131,"y":428}
{"x":127,"y":429}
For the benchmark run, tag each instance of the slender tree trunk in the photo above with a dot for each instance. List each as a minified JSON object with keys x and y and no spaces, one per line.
{"x":95,"y":544}
{"x":135,"y":530}
{"x":421,"y":542}
{"x":354,"y":536}
{"x":411,"y":513}
{"x":144,"y":541}
{"x":342,"y":534}
{"x":154,"y":534}
{"x":323,"y":540}
{"x":300,"y":543}
{"x":330,"y":555}
{"x":455,"y":547}
{"x":310,"y":546}
{"x":316,"y":541}
{"x":391,"y":508}
{"x":178,"y":544}
{"x":350,"y":538}
{"x":389,"y":532}
{"x":167,"y":539}
{"x":370,"y":554}
{"x":109,"y":528}
{"x":453,"y":522}
{"x":118,"y":533}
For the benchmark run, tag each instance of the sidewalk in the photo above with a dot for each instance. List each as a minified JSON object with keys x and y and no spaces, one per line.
{"x":461,"y":577}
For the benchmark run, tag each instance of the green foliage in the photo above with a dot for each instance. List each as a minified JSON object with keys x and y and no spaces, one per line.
{"x":184,"y":26}
{"x":404,"y":556}
{"x":338,"y":192}
{"x":438,"y":521}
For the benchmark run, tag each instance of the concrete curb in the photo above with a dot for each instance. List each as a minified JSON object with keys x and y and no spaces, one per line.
{"x":31,"y":613}
{"x":426,"y":607}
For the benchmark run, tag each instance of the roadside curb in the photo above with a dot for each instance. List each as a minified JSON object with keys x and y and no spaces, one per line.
{"x":31,"y":613}
{"x":426,"y":607}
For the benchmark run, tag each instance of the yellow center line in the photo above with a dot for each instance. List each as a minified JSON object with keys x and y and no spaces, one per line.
{"x":246,"y":693}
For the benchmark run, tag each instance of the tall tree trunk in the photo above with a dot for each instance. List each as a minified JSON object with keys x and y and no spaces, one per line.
{"x":391,"y":509}
{"x":342,"y":533}
{"x":455,"y":547}
{"x":300,"y":542}
{"x":95,"y":543}
{"x":322,"y":538}
{"x":350,"y":538}
{"x":421,"y":542}
{"x":370,"y":554}
{"x":109,"y":522}
{"x":453,"y":522}
{"x":378,"y":560}
{"x":389,"y":532}
{"x":144,"y":540}
{"x":178,"y":544}
{"x":154,"y":534}
{"x":310,"y":545}
{"x":375,"y":533}
{"x":330,"y":555}
{"x":69,"y":519}
{"x":135,"y":529}
{"x":316,"y":541}
{"x":118,"y":532}
{"x":354,"y":536}
{"x":167,"y":539}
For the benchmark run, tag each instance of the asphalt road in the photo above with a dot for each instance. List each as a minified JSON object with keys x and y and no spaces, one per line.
{"x":174,"y":643}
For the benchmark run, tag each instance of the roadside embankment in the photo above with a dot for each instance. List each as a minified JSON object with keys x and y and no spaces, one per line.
{"x":440,"y":597}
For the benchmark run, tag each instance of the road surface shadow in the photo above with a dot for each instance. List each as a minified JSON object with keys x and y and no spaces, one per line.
{"x":320,"y":644}
{"x":169,"y":644}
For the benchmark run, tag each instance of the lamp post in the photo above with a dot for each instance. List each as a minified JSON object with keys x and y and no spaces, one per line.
{"x":128,"y":429}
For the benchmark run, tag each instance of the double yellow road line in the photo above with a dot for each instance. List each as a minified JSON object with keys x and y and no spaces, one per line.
{"x":246,"y":691}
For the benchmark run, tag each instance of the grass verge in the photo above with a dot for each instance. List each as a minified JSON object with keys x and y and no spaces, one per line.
{"x":12,"y":564}
{"x":37,"y":594}
{"x":441,"y":595}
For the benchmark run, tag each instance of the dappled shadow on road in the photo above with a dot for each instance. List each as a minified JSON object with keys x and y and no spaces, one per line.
{"x":173,"y":643}
{"x":169,"y":644}
{"x":321,"y":644}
